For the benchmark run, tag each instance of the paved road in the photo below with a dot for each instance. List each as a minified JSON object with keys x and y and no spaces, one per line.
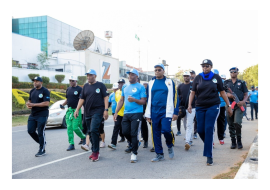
{"x":115,"y":164}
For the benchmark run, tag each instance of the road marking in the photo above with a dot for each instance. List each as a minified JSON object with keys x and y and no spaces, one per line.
{"x":18,"y":131}
{"x":48,"y":163}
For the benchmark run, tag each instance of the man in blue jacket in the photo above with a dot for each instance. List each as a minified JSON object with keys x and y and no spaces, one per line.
{"x":161,"y":110}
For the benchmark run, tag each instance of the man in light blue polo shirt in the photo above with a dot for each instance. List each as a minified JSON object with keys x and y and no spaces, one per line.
{"x":134,"y":97}
{"x":253,"y":95}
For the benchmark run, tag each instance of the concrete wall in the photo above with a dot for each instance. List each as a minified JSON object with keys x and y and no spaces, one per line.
{"x":25,"y":49}
{"x":23,"y":74}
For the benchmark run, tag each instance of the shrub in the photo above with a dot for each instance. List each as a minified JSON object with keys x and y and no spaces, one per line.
{"x":57,"y":96}
{"x":46,"y":80}
{"x":108,"y":86}
{"x":59,"y":78}
{"x":15,"y":79}
{"x":30,"y":85}
{"x":81,"y":80}
{"x":19,"y":101}
{"x":23,"y":94}
{"x":32,"y":75}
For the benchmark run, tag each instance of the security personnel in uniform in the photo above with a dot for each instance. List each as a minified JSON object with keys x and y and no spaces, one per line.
{"x":235,"y":121}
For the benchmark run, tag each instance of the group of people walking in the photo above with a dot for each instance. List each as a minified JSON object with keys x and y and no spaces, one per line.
{"x":201,"y":102}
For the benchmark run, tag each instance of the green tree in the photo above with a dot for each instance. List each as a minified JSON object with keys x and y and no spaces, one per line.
{"x":59,"y":78}
{"x":43,"y":56}
{"x":179,"y":74}
{"x":250,"y":75}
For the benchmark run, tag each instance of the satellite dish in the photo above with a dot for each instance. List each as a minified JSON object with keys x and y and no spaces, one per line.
{"x":83,"y":40}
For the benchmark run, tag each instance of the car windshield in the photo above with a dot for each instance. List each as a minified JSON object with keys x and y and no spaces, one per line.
{"x":56,"y":105}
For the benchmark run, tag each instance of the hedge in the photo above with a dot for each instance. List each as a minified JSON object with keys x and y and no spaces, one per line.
{"x":15,"y":79}
{"x":81,"y":80}
{"x":30,"y":85}
{"x":108,"y":86}
{"x":57,"y":95}
{"x":45,"y":80}
{"x":59,"y":78}
{"x":32,"y":75}
{"x":19,"y":101}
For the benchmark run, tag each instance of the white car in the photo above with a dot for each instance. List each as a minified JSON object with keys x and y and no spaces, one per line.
{"x":57,"y":115}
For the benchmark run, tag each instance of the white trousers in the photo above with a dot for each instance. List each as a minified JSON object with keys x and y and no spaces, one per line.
{"x":188,"y":124}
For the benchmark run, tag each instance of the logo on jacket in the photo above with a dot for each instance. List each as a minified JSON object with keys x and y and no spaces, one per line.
{"x":40,"y":95}
{"x":75,"y":93}
{"x":97,"y":90}
{"x":239,"y":83}
{"x":214,"y":80}
{"x":134,"y":90}
{"x":169,"y":83}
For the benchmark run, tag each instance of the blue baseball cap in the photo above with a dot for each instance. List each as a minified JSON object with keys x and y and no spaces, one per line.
{"x":215,"y":71}
{"x":133,"y":71}
{"x":37,"y":78}
{"x":160,"y":65}
{"x":91,"y":72}
{"x":234,"y":68}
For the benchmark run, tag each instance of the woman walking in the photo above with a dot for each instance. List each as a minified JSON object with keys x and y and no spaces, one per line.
{"x":206,"y":86}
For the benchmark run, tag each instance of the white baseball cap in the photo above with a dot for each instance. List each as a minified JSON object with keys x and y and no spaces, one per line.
{"x":186,"y":73}
{"x":115,"y":85}
{"x":72,"y":77}
{"x":223,"y":76}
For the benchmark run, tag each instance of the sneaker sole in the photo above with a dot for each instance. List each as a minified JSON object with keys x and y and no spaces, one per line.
{"x":187,"y":146}
{"x":210,"y":164}
{"x":70,"y":149}
{"x":133,"y":161}
{"x":40,"y":155}
{"x":111,"y":147}
{"x":84,"y":148}
{"x":94,"y":160}
{"x":157,"y":160}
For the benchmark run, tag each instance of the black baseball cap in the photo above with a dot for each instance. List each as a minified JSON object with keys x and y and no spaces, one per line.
{"x":37,"y":78}
{"x":192,"y":71}
{"x":252,"y":86}
{"x":121,"y":81}
{"x":207,"y":61}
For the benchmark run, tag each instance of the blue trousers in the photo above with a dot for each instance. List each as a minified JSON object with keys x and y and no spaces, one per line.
{"x":161,"y":125}
{"x":206,"y":118}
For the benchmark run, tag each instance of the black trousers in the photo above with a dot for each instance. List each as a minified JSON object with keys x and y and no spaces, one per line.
{"x":130,"y":125}
{"x":195,"y":125}
{"x":84,"y":124}
{"x":221,"y":123}
{"x":144,"y":130}
{"x":178,"y":123}
{"x":37,"y":123}
{"x":116,"y":129}
{"x":255,"y":106}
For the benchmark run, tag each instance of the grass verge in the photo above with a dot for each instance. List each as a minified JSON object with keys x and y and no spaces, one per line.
{"x":19,"y":120}
{"x":233,"y":170}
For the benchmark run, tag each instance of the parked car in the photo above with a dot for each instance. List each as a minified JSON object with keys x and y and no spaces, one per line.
{"x":57,"y":115}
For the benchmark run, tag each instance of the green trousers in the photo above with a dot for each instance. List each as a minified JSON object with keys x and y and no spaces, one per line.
{"x":235,"y":122}
{"x":74,"y":125}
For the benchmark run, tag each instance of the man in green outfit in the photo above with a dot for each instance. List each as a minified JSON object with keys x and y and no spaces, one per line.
{"x":73,"y":124}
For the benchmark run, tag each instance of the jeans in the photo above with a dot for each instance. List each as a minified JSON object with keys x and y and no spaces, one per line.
{"x":93,"y":123}
{"x":188,"y":124}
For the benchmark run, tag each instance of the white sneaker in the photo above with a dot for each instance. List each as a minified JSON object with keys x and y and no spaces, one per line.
{"x":85,"y":147}
{"x":133,"y":158}
{"x":141,"y":140}
{"x":102,"y":144}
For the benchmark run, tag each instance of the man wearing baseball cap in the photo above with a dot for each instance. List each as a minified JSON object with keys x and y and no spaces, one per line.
{"x":235,"y":121}
{"x":134,"y":97}
{"x":162,"y":109}
{"x":73,"y":124}
{"x":95,"y":96}
{"x":183,"y":91}
{"x":117,"y":129}
{"x":38,"y":102}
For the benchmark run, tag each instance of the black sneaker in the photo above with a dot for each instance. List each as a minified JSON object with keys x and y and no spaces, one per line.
{"x":122,"y":140}
{"x":128,"y":150}
{"x":71,"y":147}
{"x":145,"y":144}
{"x":209,"y":161}
{"x":40,"y":153}
{"x":81,"y":142}
{"x":152,"y":150}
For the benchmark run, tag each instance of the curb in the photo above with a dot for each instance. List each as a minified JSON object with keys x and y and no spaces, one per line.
{"x":249,"y":169}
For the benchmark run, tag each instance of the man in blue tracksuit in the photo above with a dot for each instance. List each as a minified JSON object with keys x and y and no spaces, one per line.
{"x":161,"y":110}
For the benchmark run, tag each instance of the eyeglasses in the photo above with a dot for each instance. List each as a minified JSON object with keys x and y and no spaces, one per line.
{"x":207,"y":66}
{"x":233,"y":71}
{"x":158,"y":70}
{"x":71,"y":80}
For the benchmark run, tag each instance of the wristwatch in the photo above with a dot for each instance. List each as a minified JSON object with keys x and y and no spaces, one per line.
{"x":106,"y":110}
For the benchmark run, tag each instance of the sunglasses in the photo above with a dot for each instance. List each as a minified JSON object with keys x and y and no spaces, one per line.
{"x":71,"y":80}
{"x":233,"y":71}
{"x":158,"y":70}
{"x":207,"y":66}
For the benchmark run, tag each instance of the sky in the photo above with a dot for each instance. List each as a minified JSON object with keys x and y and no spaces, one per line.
{"x":184,"y":38}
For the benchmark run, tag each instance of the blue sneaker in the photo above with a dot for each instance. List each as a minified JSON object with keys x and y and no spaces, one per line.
{"x":195,"y":136}
{"x":112,"y":146}
{"x":209,"y":161}
{"x":178,"y":133}
{"x":159,"y":157}
{"x":139,"y":144}
{"x":171,"y":152}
